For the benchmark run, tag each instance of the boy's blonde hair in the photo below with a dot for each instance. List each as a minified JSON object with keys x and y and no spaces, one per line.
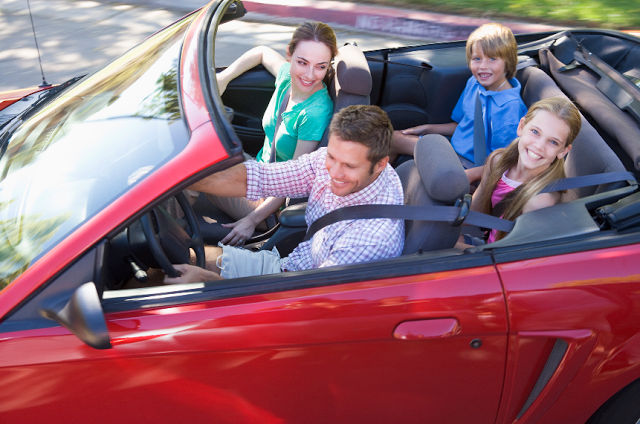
{"x":496,"y":40}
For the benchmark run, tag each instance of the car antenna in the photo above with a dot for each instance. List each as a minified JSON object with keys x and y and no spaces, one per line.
{"x":44,"y":81}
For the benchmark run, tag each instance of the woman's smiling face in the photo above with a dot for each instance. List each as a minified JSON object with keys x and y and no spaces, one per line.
{"x":309,"y":65}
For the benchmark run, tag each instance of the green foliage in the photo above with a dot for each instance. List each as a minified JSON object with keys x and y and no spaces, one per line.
{"x":617,"y":14}
{"x":21,"y":240}
{"x":163,"y":103}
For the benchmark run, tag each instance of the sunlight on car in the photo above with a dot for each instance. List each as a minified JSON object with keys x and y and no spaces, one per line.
{"x":75,"y":155}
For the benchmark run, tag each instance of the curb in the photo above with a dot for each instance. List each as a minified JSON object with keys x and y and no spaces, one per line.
{"x":381,"y":19}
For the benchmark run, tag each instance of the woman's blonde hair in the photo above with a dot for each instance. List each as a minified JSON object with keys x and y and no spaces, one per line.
{"x":496,"y":40}
{"x":318,"y":32}
{"x":560,"y":107}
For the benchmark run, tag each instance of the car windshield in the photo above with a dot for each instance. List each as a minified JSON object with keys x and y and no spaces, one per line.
{"x":73,"y":156}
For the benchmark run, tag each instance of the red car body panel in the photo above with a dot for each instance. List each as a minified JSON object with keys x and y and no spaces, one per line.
{"x":547,"y":299}
{"x":459,"y":346}
{"x":7,"y":98}
{"x":193,"y":102}
{"x":263,"y":356}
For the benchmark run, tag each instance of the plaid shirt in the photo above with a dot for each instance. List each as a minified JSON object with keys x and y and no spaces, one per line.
{"x":344,"y":242}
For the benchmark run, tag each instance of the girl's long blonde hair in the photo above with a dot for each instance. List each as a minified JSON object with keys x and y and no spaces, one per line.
{"x":560,"y":107}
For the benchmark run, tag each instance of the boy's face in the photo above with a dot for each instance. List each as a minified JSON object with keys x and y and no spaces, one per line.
{"x":489,"y":71}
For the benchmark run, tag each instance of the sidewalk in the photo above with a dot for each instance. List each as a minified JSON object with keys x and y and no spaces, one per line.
{"x":360,"y":17}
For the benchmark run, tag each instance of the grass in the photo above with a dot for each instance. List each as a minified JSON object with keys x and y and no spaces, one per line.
{"x":612,"y":14}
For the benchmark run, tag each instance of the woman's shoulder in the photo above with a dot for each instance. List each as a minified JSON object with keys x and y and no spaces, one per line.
{"x":319,"y":103}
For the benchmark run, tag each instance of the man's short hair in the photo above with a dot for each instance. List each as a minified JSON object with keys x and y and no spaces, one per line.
{"x":368,"y":125}
{"x":497,"y":41}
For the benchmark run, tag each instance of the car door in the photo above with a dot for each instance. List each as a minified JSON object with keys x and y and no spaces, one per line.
{"x":412,"y":339}
{"x":574,"y":327}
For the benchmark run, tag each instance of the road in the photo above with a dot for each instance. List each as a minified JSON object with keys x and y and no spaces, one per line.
{"x":77,"y":37}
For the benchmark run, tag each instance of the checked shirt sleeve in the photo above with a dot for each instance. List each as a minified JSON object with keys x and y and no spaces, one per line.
{"x":292,"y":178}
{"x":367,"y":241}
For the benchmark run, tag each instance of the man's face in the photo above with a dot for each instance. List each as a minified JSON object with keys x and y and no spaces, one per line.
{"x":348,"y":166}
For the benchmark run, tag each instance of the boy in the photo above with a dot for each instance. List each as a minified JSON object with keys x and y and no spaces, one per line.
{"x":492,"y":58}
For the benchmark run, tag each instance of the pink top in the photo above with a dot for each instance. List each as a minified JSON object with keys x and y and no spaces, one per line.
{"x":504,"y":187}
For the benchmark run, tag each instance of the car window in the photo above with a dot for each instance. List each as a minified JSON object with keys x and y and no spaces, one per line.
{"x":76,"y":154}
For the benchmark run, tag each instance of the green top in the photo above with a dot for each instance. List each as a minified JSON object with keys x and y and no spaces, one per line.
{"x":305,"y":121}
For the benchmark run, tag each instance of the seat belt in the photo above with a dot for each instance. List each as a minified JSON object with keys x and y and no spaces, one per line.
{"x":283,"y":107}
{"x":455,"y":215}
{"x":589,"y":180}
{"x":460,"y":213}
{"x":479,"y":137}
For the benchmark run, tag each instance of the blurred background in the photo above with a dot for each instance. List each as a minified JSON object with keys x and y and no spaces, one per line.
{"x":77,"y":37}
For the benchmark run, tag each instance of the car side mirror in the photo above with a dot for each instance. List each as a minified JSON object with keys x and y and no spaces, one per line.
{"x":82,"y":315}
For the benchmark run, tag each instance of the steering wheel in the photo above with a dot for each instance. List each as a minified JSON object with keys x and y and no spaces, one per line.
{"x":168,"y":241}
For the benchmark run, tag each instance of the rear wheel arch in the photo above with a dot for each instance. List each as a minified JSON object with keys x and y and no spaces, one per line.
{"x":621,"y":408}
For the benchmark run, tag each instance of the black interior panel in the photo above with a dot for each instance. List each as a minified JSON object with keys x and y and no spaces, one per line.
{"x":248,"y":95}
{"x":417,"y":95}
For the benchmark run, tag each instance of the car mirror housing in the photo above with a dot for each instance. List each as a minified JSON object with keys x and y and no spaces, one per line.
{"x":82,"y":315}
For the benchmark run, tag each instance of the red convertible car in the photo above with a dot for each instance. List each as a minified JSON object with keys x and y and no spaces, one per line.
{"x":540,"y":327}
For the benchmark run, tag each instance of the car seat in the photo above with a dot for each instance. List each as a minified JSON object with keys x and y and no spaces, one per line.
{"x":434,"y":177}
{"x":351,"y":84}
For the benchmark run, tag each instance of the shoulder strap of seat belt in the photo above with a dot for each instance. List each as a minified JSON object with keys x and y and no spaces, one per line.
{"x":420,"y":213}
{"x":479,"y":138}
{"x":455,"y":215}
{"x":283,"y":107}
{"x":590,"y":180}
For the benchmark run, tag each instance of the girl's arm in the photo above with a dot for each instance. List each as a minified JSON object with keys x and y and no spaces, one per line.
{"x":540,"y":201}
{"x":261,"y":55}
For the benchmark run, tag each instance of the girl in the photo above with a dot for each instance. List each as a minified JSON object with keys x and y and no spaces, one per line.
{"x":304,"y":74}
{"x":515,"y":175}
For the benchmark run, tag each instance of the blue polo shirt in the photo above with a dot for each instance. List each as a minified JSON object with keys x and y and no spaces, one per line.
{"x":501,"y":110}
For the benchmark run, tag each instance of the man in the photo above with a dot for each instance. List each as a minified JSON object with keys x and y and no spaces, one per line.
{"x":352,"y":170}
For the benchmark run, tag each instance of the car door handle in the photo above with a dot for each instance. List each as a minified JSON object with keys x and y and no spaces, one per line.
{"x":426,"y":329}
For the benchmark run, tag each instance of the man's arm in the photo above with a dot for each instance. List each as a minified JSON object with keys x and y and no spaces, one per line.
{"x":231,"y":182}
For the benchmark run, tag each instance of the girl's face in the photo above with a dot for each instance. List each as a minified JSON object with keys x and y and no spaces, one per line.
{"x":489,"y":71}
{"x":542,"y":140}
{"x":309,"y":64}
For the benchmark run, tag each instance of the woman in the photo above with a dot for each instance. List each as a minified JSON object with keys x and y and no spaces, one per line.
{"x":301,"y":80}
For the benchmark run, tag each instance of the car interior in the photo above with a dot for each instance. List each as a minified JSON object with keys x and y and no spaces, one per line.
{"x":408,"y":84}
